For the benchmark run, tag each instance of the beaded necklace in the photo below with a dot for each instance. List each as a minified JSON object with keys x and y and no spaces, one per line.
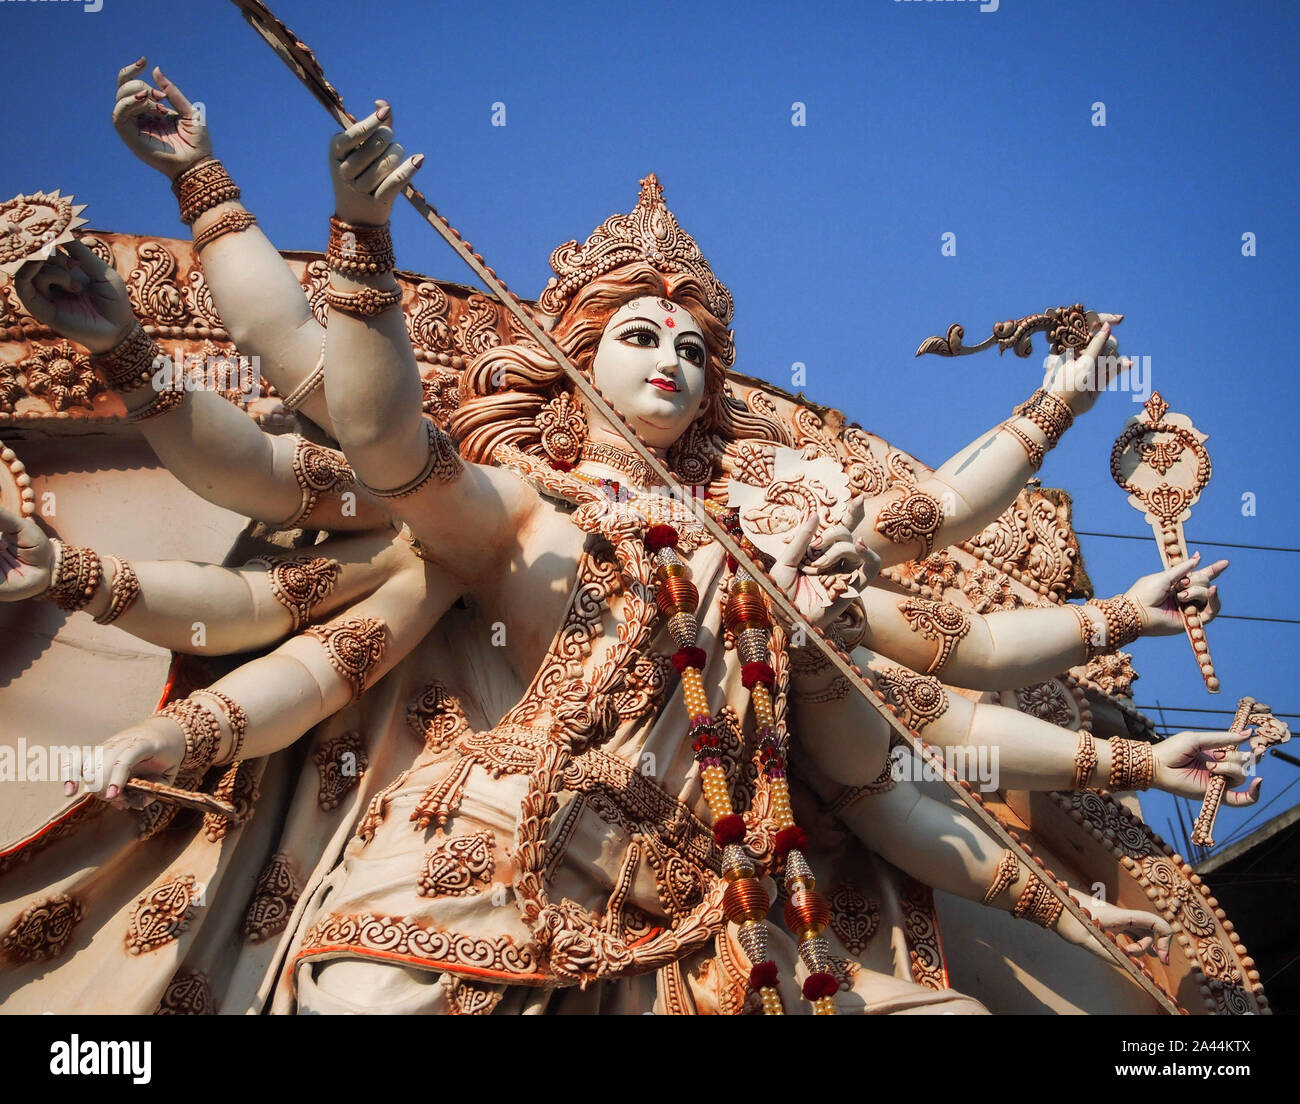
{"x":745,"y":902}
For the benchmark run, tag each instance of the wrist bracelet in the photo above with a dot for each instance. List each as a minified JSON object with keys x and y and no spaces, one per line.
{"x":1123,"y":621}
{"x":230,"y":222}
{"x":1038,"y":904}
{"x":368,"y":302}
{"x":128,"y":365}
{"x":123,"y":591}
{"x":203,"y":186}
{"x":201,"y":729}
{"x":1036,"y":452}
{"x":1132,"y":765}
{"x":236,"y":718}
{"x":76,"y":577}
{"x":163,"y":402}
{"x":1048,"y":413}
{"x":1085,"y":760}
{"x":359,"y":250}
{"x":1003,"y":875}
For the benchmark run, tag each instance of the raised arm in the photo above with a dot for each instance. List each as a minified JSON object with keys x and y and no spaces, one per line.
{"x":259,"y":299}
{"x":210,"y":445}
{"x":201,"y":609}
{"x":982,"y":480}
{"x":1018,"y":647}
{"x":465,"y":514}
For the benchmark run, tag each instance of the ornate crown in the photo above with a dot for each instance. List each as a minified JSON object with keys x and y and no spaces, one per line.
{"x":649,"y":233}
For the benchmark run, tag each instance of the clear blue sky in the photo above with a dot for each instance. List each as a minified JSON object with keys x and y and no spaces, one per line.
{"x":922,"y":119}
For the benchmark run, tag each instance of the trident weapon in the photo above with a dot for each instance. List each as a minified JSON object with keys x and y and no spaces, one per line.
{"x":300,"y":58}
{"x":1160,"y":459}
{"x":1269,"y":731}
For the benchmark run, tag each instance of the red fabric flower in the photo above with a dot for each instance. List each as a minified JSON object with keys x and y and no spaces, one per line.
{"x":660,"y":536}
{"x":756,"y":672}
{"x":790,"y":839}
{"x":763,"y":976}
{"x":730,"y":829}
{"x":820,"y":985}
{"x":690,"y":657}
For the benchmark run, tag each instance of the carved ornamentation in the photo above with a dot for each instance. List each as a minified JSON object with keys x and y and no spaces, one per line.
{"x":936,"y":621}
{"x":341,"y":763}
{"x":921,"y":929}
{"x":1113,"y":673}
{"x":918,"y":700}
{"x":1048,"y":701}
{"x":989,"y":591}
{"x":854,"y":918}
{"x":470,"y":998}
{"x":152,"y":286}
{"x":563,"y":428}
{"x":458,"y":866}
{"x":319,"y":471}
{"x":301,"y":583}
{"x":441,"y":396}
{"x":161,"y":914}
{"x":33,"y":226}
{"x":187,"y":994}
{"x":61,"y":375}
{"x":42,"y":931}
{"x":916,"y":517}
{"x":274,"y":896}
{"x":436,"y":717}
{"x":399,"y":936}
{"x":354,"y":647}
{"x":1067,"y":328}
{"x":238,"y":786}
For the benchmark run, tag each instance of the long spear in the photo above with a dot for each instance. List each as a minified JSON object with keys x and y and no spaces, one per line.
{"x":300,"y":58}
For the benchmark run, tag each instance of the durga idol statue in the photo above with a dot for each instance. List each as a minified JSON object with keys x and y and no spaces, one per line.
{"x":498,"y":725}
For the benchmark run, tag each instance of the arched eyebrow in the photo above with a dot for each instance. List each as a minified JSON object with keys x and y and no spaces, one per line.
{"x":684,"y":333}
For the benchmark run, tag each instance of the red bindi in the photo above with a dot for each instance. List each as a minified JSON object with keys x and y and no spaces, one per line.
{"x":669,"y":323}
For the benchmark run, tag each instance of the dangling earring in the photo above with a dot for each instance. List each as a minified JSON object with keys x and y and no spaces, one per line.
{"x":564,"y":429}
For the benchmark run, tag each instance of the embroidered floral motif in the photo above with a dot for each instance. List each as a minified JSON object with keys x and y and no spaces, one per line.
{"x":458,"y":866}
{"x":274,"y":896}
{"x":161,"y":914}
{"x":854,"y":918}
{"x":187,"y":994}
{"x":42,"y":931}
{"x":341,"y":763}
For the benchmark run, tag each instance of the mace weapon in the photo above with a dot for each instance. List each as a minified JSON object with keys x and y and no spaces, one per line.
{"x":300,"y":58}
{"x":1269,"y":731}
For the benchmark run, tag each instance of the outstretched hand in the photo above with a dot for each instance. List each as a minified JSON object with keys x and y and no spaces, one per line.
{"x":78,"y":296}
{"x":1160,"y":595}
{"x":169,"y":139}
{"x":26,"y":558}
{"x":1138,"y":933}
{"x":1079,"y":378}
{"x":818,"y":588}
{"x":1186,"y":761}
{"x":368,"y":169}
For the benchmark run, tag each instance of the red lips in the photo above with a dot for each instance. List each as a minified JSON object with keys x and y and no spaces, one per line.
{"x":663,"y":385}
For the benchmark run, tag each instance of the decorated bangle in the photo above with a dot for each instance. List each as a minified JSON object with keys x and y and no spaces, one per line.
{"x":1003,"y":875}
{"x":1035,"y":451}
{"x":202,"y":187}
{"x":1123,"y":621}
{"x":229,"y":222}
{"x":1085,"y":760}
{"x":123,"y":591}
{"x":1048,"y":413}
{"x":1132,"y":765}
{"x":367,"y":302}
{"x":443,"y":464}
{"x":129,"y":364}
{"x":359,"y":250}
{"x":236,"y":719}
{"x":1087,"y":631}
{"x":916,"y":517}
{"x":163,"y":402}
{"x":1038,"y":904}
{"x":202,"y":731}
{"x":76,"y":576}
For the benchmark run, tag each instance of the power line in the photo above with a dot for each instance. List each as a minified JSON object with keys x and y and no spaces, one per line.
{"x":1241,"y":828}
{"x":1215,"y":544}
{"x":1243,"y":617}
{"x":1199,"y":709}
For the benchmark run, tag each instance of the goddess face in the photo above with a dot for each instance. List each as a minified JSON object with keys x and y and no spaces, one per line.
{"x":651,"y":366}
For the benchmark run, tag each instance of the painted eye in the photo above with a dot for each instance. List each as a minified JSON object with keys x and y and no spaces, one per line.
{"x":694,"y":354}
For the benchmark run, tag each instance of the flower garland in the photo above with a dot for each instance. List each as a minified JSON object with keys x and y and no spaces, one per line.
{"x":745,"y":901}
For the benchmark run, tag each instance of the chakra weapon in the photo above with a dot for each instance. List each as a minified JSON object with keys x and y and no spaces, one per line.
{"x":300,"y":58}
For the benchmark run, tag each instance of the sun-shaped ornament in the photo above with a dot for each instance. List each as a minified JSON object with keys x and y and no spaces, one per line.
{"x":33,"y":226}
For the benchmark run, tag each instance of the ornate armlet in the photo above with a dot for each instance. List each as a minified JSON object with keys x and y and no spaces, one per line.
{"x":359,"y":250}
{"x":201,"y":729}
{"x":1048,"y":413}
{"x":319,"y":471}
{"x":937,"y":621}
{"x":76,"y":576}
{"x":300,"y":584}
{"x":202,"y":187}
{"x":1004,"y":874}
{"x":1036,"y":452}
{"x":236,"y":719}
{"x":917,"y":516}
{"x":128,"y":365}
{"x":313,"y":380}
{"x":1132,"y":765}
{"x":1123,"y":621}
{"x":1038,"y":904}
{"x":444,"y":464}
{"x":231,"y":222}
{"x":1085,"y":761}
{"x":123,"y":591}
{"x":353,"y":648}
{"x":1087,"y":632}
{"x":367,"y":303}
{"x":163,"y":402}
